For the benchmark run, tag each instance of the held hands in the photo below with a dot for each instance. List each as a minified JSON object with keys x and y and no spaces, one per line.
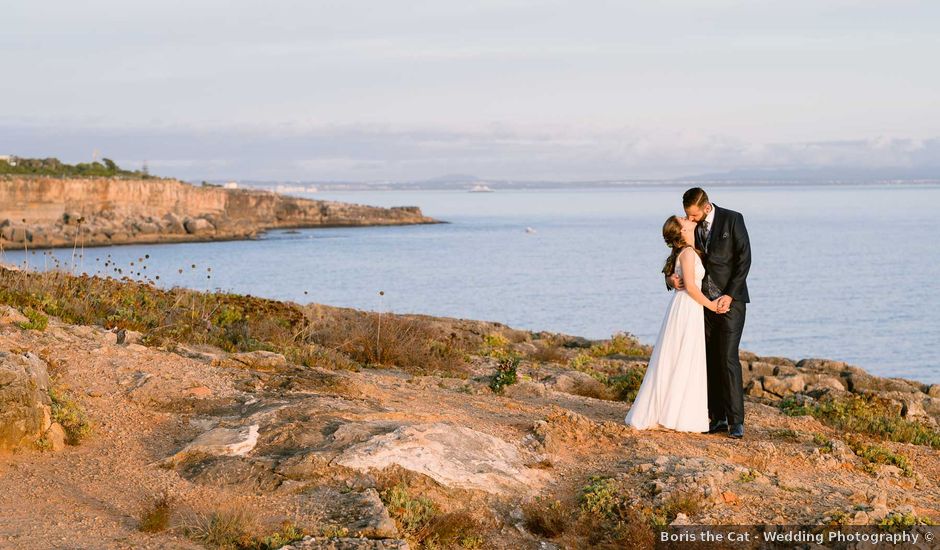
{"x":712,"y":306}
{"x":675,"y":282}
{"x":723,"y":304}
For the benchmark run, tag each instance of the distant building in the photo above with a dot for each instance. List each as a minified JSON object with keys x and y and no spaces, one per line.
{"x":231,"y":185}
{"x":9,"y":159}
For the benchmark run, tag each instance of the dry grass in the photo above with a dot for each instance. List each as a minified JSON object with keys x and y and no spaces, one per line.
{"x":412,"y":344}
{"x":229,"y":529}
{"x":546,"y":517}
{"x":155,"y":517}
{"x":235,"y":323}
{"x":548,"y":352}
{"x":423,"y":523}
{"x":689,"y":503}
{"x":592,"y":388}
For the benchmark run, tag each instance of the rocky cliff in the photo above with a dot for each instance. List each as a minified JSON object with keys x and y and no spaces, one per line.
{"x":38,"y":212}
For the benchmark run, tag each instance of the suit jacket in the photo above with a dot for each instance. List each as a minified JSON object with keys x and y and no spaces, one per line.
{"x":727,"y":256}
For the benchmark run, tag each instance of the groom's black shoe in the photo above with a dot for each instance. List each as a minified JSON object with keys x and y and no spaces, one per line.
{"x":737,"y":431}
{"x":717,"y":426}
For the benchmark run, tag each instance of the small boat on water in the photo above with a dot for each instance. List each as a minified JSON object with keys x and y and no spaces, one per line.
{"x":480,"y":188}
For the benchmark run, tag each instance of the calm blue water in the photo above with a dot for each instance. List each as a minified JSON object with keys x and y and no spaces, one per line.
{"x":840,"y":272}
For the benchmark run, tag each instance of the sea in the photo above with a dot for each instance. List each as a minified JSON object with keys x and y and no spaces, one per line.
{"x":845,"y":272}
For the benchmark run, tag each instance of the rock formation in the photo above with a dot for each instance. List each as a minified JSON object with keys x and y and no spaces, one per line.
{"x":39,"y":212}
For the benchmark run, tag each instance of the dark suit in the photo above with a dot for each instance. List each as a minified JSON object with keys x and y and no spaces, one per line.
{"x":727,"y":259}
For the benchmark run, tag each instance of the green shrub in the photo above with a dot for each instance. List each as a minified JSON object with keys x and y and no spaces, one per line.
{"x":287,"y":534}
{"x":874,"y":454}
{"x":600,"y":497}
{"x":620,"y":343}
{"x":867,"y":414}
{"x":37,"y":320}
{"x":55,"y":168}
{"x":785,"y":434}
{"x":67,"y":412}
{"x":505,"y":375}
{"x":897,"y":521}
{"x":824,"y":443}
{"x":606,"y":518}
{"x":494,"y":344}
{"x":411,"y":514}
{"x":626,"y":386}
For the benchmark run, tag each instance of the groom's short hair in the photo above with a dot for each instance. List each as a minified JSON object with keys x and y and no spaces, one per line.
{"x":695,"y":196}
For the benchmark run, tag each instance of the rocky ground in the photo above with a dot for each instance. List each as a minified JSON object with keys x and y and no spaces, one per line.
{"x":363,"y":457}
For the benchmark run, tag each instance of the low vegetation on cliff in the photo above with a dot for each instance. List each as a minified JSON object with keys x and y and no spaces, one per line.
{"x":53,"y":167}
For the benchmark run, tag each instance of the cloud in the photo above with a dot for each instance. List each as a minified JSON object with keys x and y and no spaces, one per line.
{"x":383,"y":152}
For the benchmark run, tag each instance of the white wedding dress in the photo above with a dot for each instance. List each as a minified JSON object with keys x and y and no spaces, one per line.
{"x":674,"y":392}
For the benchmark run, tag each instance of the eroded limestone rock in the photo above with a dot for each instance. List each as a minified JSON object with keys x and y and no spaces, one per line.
{"x":455,"y":456}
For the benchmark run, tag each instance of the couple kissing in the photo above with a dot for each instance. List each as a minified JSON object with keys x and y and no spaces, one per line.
{"x":693,"y":382}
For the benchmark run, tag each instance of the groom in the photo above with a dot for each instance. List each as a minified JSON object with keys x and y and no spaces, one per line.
{"x":723,"y":240}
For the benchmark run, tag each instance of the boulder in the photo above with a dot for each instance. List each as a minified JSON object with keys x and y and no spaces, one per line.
{"x":934,"y":391}
{"x":863,"y":382}
{"x":198,"y":225}
{"x":525,"y":389}
{"x":55,"y":436}
{"x":931,"y":405}
{"x":778,"y":361}
{"x":454,"y":456}
{"x":784,"y":385}
{"x":823,"y":383}
{"x":816,"y":364}
{"x":577,"y":383}
{"x":759,"y":368}
{"x":171,"y":223}
{"x":25,"y":413}
{"x":146,"y":228}
{"x":220,"y":442}
{"x":754,"y":388}
{"x":16,"y":234}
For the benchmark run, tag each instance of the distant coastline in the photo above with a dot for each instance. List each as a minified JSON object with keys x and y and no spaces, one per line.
{"x":506,"y":185}
{"x":49,"y":212}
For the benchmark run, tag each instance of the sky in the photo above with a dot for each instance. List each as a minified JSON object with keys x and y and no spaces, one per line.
{"x":394,"y":90}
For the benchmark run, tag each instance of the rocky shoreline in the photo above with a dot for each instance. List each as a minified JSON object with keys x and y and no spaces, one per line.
{"x":41,"y":212}
{"x":345,"y":450}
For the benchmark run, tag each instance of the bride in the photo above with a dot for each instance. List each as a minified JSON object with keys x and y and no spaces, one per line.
{"x":674,"y":392}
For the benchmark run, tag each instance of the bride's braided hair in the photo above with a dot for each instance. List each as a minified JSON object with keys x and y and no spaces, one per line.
{"x":672,"y":234}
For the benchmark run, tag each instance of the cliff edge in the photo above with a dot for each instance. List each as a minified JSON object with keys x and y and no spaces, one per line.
{"x":45,"y":212}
